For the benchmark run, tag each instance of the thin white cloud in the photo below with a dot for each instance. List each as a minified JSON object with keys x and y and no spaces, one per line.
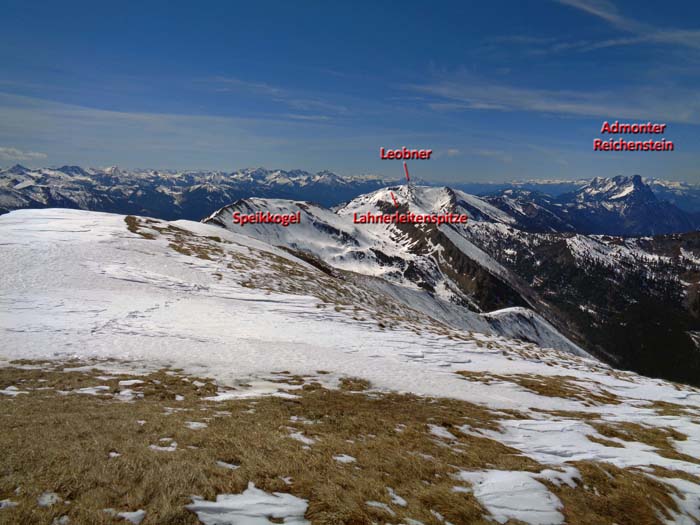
{"x":502,"y":156}
{"x":224,"y":84}
{"x":294,"y":100}
{"x":603,"y":9}
{"x":461,"y":93}
{"x":7,"y":153}
{"x":608,"y":12}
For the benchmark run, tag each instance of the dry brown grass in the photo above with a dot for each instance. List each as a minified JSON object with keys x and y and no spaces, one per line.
{"x":133,"y":224}
{"x":659,"y":438}
{"x":61,"y":443}
{"x":665,"y":408}
{"x":354,"y":384}
{"x":567,"y":387}
{"x":608,"y":494}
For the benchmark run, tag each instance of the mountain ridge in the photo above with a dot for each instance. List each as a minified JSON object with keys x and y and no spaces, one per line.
{"x":589,"y":288}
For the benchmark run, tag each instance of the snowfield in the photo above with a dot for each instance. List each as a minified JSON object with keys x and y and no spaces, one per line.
{"x":85,"y":285}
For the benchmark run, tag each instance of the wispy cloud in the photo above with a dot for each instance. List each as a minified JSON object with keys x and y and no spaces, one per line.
{"x":310,"y":118}
{"x":225,"y":84}
{"x":643,"y":32}
{"x":292,"y":99}
{"x":17,"y":154}
{"x":468,"y":92}
{"x":502,"y":156}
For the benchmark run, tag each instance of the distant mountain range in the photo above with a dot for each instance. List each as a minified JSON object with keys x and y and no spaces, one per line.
{"x":629,"y":206}
{"x":169,"y":194}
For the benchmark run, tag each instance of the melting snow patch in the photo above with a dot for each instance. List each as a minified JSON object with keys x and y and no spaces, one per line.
{"x":299,"y":419}
{"x":441,"y":432}
{"x":128,"y":395}
{"x":135,"y":517}
{"x":301,"y":437}
{"x":516,"y":495}
{"x":113,"y":454}
{"x":230,"y":466}
{"x":344,"y":458}
{"x":47,"y":499}
{"x":395,"y":498}
{"x":172,"y":447}
{"x":130,"y":382}
{"x":568,"y":475}
{"x":12,"y":391}
{"x":7,"y":503}
{"x":63,"y":520}
{"x":178,"y":397}
{"x":380,"y":505}
{"x":252,"y":507}
{"x":92,"y":390}
{"x":195,"y":425}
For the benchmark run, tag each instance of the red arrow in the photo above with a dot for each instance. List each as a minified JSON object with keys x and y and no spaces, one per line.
{"x":405,"y":168}
{"x":394,"y":198}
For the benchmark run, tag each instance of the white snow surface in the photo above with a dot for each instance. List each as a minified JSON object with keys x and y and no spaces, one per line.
{"x":514,"y":495}
{"x":252,"y":507}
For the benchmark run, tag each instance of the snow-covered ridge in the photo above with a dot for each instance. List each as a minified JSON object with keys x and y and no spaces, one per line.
{"x":416,"y":264}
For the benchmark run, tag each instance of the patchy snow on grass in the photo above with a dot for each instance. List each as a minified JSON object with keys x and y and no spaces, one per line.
{"x":93,"y":390}
{"x":195,"y":425}
{"x":395,"y":498}
{"x":344,"y":458}
{"x":230,"y":466}
{"x":299,"y":436}
{"x":130,"y":382}
{"x":170,"y":447}
{"x":380,"y":505}
{"x":441,"y":432}
{"x":47,"y":499}
{"x":252,"y":507}
{"x":12,"y":391}
{"x":134,"y":517}
{"x":514,"y":495}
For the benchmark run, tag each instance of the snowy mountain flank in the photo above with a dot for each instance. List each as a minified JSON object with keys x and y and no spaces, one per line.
{"x":631,"y":302}
{"x":544,"y":435}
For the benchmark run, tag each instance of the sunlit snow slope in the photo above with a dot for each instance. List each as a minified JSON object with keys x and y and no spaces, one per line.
{"x":436,"y":269}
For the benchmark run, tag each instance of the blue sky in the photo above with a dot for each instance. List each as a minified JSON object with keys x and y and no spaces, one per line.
{"x":499,"y":90}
